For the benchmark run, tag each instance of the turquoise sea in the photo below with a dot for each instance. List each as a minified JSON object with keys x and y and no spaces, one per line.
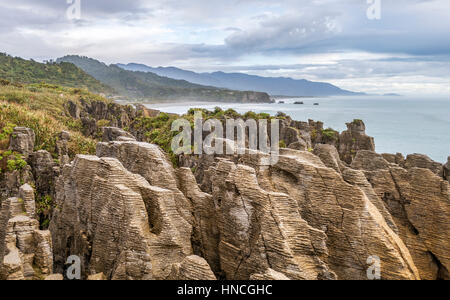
{"x":398,"y":124}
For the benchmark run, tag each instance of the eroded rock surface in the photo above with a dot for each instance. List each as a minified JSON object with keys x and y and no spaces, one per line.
{"x":25,"y":251}
{"x":116,"y":222}
{"x":62,"y":147}
{"x":26,"y":195}
{"x":192,"y":268}
{"x":354,"y":227}
{"x":269,"y":275}
{"x":205,"y":237}
{"x":261,"y":230}
{"x":22,"y":141}
{"x":418,"y":200}
{"x":129,"y":214}
{"x":353,"y":140}
{"x":150,"y":162}
{"x":447,"y":170}
{"x":44,"y":171}
{"x":329,"y":155}
{"x":307,"y":135}
{"x":114,"y":133}
{"x":424,"y":162}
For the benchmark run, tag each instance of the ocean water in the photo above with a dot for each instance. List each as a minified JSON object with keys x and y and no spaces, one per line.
{"x":398,"y":124}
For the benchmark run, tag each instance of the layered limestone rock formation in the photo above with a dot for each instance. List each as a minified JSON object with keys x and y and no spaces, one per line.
{"x":345,"y":226}
{"x":90,"y":112}
{"x":151,"y":163}
{"x":261,"y":230}
{"x":353,"y":140}
{"x":22,"y":141}
{"x":418,"y":199}
{"x":327,"y":209}
{"x":269,"y":275}
{"x":205,"y":236}
{"x":116,"y":222}
{"x":423,"y":162}
{"x":62,"y":147}
{"x":25,"y":251}
{"x":306,"y":135}
{"x":44,"y":171}
{"x":192,"y":268}
{"x":447,"y":170}
{"x":114,"y":133}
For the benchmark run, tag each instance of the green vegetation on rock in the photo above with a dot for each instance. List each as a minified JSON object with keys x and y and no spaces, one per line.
{"x":11,"y":161}
{"x":330,"y":133}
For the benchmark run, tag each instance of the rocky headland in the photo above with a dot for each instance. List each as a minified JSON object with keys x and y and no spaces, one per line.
{"x":326,"y":210}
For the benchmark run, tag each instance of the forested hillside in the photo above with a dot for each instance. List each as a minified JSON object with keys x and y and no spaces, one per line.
{"x":18,"y":70}
{"x":149,"y":86}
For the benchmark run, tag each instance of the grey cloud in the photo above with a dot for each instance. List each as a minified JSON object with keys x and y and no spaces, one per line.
{"x":52,"y":13}
{"x":90,"y":7}
{"x":405,"y":27}
{"x":283,"y":32}
{"x":411,"y":34}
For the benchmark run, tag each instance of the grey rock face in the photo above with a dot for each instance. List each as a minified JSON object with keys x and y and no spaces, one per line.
{"x":23,"y":247}
{"x":251,"y":236}
{"x":205,"y":238}
{"x":291,"y":136}
{"x":62,"y":147}
{"x":26,"y":194}
{"x":369,"y":161}
{"x":447,"y":170}
{"x":116,"y":222}
{"x":22,"y":141}
{"x":424,"y":162}
{"x":192,"y":268}
{"x":113,"y":134}
{"x":309,"y":205}
{"x":269,"y":275}
{"x":44,"y":172}
{"x":12,"y":181}
{"x":74,"y":110}
{"x":353,"y":140}
{"x":417,"y":199}
{"x":398,"y":158}
{"x":329,"y":156}
{"x":306,"y":135}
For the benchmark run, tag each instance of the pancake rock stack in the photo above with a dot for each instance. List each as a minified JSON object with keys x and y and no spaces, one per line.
{"x":330,"y":208}
{"x":25,"y":251}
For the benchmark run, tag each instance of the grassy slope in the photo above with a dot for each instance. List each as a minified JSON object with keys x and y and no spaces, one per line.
{"x":41,"y":108}
{"x":16,"y":70}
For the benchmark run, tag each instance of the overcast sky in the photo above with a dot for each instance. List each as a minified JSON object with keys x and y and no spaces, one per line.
{"x":407,"y":51}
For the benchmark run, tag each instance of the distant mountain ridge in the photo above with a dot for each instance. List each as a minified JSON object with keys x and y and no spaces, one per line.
{"x":240,"y":81}
{"x":147,"y":86}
